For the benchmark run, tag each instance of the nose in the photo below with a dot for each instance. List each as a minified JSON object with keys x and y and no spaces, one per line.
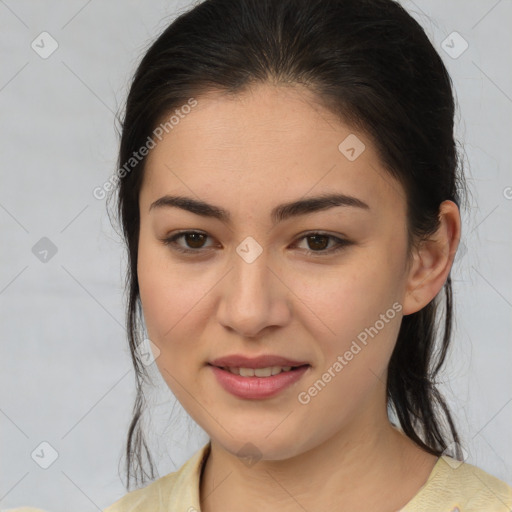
{"x":254,"y":297}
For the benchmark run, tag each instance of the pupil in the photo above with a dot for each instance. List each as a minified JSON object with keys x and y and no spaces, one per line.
{"x":316,"y":238}
{"x":195,"y":239}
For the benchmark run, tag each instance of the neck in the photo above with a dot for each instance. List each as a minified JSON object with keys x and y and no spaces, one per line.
{"x":376,"y":468}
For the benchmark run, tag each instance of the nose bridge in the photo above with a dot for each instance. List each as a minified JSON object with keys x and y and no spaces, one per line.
{"x":252,"y":299}
{"x":250,"y":280}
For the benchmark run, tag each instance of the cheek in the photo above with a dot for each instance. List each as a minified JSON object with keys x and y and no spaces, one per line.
{"x":346,"y":299}
{"x":170,"y":297}
{"x":171,"y":304}
{"x":357,"y":317}
{"x":359,"y":307}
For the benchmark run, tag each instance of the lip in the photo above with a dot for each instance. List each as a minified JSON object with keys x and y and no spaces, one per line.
{"x":258,"y":388}
{"x":263,"y":361}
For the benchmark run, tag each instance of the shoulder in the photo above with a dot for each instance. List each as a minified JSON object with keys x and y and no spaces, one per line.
{"x":175,"y":491}
{"x":457,"y":486}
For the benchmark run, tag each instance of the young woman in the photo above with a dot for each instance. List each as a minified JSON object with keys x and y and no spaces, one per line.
{"x":289,"y":191}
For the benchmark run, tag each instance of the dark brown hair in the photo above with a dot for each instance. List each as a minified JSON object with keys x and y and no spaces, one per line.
{"x":372,"y":64}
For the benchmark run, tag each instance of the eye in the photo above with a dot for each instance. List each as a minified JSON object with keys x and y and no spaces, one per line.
{"x":318,"y":242}
{"x":194,"y":239}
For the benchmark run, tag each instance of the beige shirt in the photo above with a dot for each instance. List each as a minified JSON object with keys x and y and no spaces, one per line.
{"x":451,"y":487}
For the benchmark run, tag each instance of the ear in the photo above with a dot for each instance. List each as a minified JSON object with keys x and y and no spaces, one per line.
{"x":432,"y":260}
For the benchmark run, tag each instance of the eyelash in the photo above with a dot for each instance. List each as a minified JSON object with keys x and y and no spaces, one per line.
{"x":340,"y":243}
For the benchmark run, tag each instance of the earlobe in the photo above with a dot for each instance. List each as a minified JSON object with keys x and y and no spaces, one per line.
{"x":432,"y":260}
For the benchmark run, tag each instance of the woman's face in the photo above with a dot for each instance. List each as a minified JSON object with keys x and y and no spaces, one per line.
{"x":250,"y":288}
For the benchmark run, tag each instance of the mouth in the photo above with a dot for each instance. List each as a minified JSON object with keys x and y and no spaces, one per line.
{"x":258,"y":383}
{"x":268,"y":371}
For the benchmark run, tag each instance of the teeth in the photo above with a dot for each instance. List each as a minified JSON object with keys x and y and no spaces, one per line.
{"x":259,"y":372}
{"x":263,"y":372}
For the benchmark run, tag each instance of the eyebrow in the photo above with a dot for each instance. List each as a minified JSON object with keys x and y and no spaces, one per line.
{"x":278,"y":214}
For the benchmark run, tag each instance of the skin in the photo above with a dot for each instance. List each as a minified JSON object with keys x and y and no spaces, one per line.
{"x":247,"y":154}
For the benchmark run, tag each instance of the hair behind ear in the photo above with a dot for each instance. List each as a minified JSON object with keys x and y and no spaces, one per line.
{"x":411,"y":383}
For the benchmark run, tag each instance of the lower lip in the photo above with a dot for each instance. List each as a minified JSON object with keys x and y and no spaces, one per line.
{"x":257,"y":388}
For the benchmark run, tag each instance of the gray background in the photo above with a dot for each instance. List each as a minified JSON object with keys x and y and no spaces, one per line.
{"x":65,"y":369}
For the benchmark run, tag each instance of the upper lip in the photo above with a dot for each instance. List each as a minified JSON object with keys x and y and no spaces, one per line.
{"x":264,"y":361}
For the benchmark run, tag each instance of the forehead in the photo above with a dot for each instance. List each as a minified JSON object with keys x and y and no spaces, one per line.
{"x":265,"y":145}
